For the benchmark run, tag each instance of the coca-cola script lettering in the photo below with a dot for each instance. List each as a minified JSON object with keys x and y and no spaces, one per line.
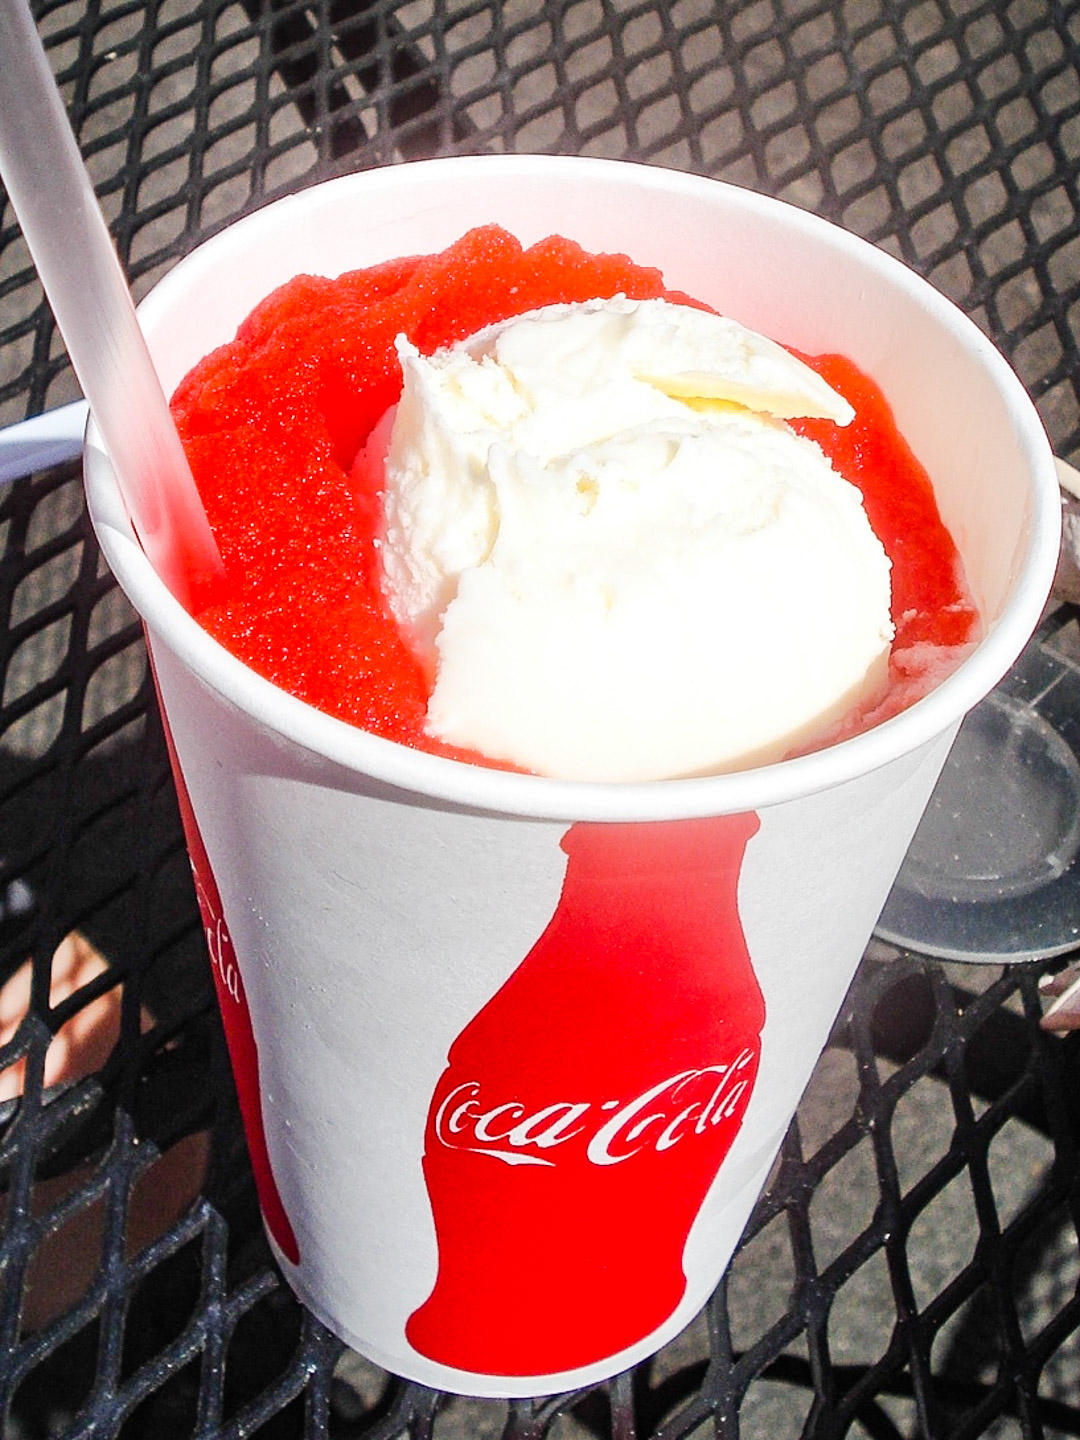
{"x":218,"y":942}
{"x":684,"y":1105}
{"x":235,"y":1015}
{"x":586,"y":1109}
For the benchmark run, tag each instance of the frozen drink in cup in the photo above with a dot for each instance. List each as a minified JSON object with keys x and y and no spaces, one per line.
{"x":516,"y":1054}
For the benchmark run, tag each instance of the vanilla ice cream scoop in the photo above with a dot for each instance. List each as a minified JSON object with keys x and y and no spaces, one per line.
{"x":612,"y":555}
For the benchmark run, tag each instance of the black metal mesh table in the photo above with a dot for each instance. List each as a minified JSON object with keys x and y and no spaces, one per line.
{"x":912,"y":1268}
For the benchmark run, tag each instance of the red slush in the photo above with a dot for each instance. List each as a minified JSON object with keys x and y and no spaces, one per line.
{"x":273,"y":421}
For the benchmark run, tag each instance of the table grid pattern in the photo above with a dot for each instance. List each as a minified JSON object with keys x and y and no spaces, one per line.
{"x":902,"y":1276}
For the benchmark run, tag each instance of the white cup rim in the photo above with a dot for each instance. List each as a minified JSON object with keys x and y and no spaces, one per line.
{"x":438,"y":780}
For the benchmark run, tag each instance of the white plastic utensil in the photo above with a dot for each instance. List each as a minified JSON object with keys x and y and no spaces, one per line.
{"x":54,"y":438}
{"x":57,"y":209}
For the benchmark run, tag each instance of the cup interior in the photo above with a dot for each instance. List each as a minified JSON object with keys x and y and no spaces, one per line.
{"x":770,"y":265}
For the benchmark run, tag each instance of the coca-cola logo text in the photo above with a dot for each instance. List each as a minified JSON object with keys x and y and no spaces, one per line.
{"x":218,"y":942}
{"x":675,"y":1109}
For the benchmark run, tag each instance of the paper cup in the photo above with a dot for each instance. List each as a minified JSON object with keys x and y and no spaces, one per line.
{"x":516,"y":1055}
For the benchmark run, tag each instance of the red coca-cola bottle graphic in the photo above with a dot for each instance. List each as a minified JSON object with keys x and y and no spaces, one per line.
{"x":585,"y":1111}
{"x":235,"y":1016}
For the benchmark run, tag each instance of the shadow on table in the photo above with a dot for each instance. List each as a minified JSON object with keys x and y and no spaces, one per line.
{"x":93,"y":857}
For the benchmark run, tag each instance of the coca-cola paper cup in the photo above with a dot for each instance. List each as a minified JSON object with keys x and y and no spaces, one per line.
{"x":515,"y":1055}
